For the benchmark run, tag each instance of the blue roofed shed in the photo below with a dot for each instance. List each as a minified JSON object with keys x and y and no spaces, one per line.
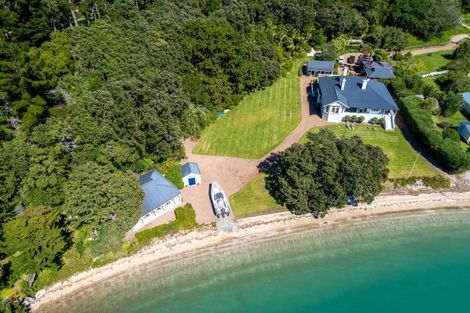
{"x":159,"y":192}
{"x":464,"y":131}
{"x":191,"y":174}
{"x":466,"y":101}
{"x":316,"y":68}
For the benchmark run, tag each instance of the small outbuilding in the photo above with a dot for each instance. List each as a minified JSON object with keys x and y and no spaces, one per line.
{"x":464,"y":131}
{"x":317,"y":68}
{"x":191,"y":174}
{"x":466,"y":101}
{"x":161,"y":196}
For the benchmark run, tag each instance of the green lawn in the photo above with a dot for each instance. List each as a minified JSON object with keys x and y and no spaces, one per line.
{"x":454,"y":119}
{"x":435,"y":61}
{"x":466,"y":18}
{"x":395,"y":146}
{"x":254,"y":199}
{"x":259,"y":123}
{"x":414,"y":42}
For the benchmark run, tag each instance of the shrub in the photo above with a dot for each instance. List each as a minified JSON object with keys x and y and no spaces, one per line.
{"x":347,"y":118}
{"x":451,"y":104}
{"x":360,"y":119}
{"x":445,"y":124}
{"x":451,"y":134}
{"x":374,"y":120}
{"x":382,"y":121}
{"x":185,"y":220}
{"x":353,"y":119}
{"x":432,"y":105}
{"x":434,"y":182}
{"x":172,"y":172}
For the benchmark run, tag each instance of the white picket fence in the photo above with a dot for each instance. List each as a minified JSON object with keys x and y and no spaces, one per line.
{"x":435,"y":73}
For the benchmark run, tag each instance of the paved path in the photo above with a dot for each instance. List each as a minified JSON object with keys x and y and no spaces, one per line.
{"x":233,"y":173}
{"x":451,"y":45}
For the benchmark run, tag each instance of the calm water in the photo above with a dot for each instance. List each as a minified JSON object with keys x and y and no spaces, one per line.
{"x":415,"y":263}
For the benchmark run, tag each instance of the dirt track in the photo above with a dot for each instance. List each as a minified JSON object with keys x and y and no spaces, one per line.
{"x":451,"y":45}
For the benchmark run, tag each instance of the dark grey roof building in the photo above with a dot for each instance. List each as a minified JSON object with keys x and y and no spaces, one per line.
{"x":378,"y":70}
{"x":351,"y":92}
{"x":343,"y":97}
{"x":320,"y":67}
{"x":158,"y":191}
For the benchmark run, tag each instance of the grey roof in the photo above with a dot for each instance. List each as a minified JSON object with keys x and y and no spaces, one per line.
{"x":380,"y":73}
{"x":369,"y":64}
{"x":158,"y":190}
{"x":190,"y":168}
{"x":375,"y":96}
{"x":325,"y":66}
{"x":466,"y":97}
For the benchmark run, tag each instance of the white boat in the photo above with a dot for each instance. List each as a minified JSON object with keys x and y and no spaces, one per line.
{"x":219,"y":201}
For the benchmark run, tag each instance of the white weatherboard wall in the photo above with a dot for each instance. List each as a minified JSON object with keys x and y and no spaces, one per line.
{"x":335,"y":112}
{"x":186,"y":179}
{"x":157,"y":212}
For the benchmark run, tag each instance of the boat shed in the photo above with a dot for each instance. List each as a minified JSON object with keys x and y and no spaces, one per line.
{"x":161,"y":196}
{"x":316,"y":68}
{"x":464,"y":131}
{"x":191,"y":174}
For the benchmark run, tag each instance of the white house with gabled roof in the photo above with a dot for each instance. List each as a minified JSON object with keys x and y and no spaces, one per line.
{"x":341,"y":96}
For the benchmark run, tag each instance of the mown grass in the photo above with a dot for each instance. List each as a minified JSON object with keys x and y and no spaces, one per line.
{"x":394,"y":144}
{"x":259,"y":123}
{"x":254,"y":199}
{"x":435,"y":61}
{"x":453,"y":119}
{"x":414,"y":42}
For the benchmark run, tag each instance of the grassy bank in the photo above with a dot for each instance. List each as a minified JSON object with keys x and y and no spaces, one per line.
{"x":254,"y":199}
{"x":394,"y":144}
{"x":414,"y":42}
{"x":435,"y":61}
{"x":259,"y":123}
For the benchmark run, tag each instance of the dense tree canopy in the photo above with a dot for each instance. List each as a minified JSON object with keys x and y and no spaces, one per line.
{"x":108,"y":202}
{"x":323,"y":172}
{"x":93,"y":90}
{"x":35,"y":240}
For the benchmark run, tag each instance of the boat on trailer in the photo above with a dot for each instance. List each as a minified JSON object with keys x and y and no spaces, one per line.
{"x":219,"y":201}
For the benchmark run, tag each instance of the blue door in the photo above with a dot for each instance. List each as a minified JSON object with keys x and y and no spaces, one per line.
{"x":192,"y":181}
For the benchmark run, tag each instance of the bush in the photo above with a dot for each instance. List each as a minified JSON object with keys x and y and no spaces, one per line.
{"x":353,"y":119}
{"x":451,"y":134}
{"x":432,"y":105}
{"x":434,"y":182}
{"x":374,"y":120}
{"x":360,"y":119}
{"x":172,"y":172}
{"x":382,"y":121}
{"x":347,"y":118}
{"x":451,"y":104}
{"x":185,"y":220}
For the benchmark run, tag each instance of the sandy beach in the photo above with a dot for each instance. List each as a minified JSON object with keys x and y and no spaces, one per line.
{"x":253,"y":228}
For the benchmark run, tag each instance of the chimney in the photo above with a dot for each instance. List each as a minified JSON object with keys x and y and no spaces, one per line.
{"x":343,"y":83}
{"x":345,"y":71}
{"x":364,"y":83}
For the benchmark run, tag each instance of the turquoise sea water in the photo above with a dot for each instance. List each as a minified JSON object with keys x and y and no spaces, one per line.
{"x":415,"y":263}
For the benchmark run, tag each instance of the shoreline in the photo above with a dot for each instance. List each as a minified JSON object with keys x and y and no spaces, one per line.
{"x":251,"y":228}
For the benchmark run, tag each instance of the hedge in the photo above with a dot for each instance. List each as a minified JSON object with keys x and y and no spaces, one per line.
{"x":448,"y":153}
{"x":435,"y":182}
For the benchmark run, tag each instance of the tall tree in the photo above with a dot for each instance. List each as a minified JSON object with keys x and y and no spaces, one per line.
{"x":323,"y":172}
{"x":109,"y":202}
{"x":35,"y":240}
